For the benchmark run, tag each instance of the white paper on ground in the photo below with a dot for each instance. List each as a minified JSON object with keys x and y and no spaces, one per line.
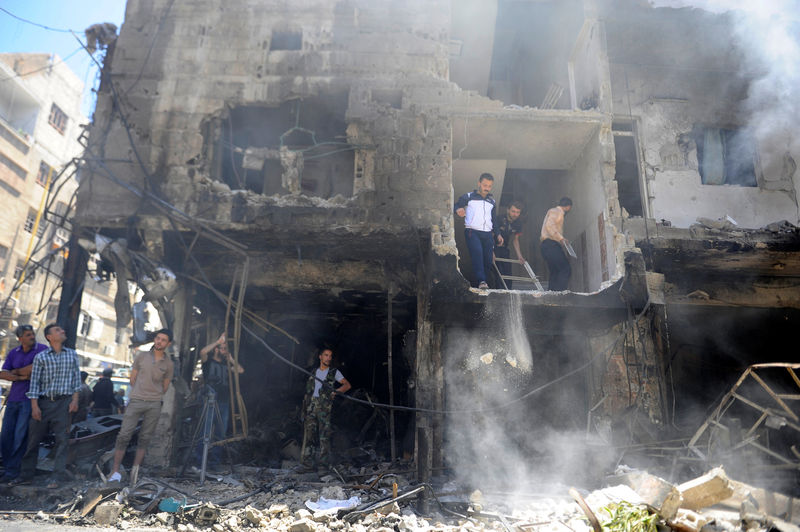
{"x":330,"y":505}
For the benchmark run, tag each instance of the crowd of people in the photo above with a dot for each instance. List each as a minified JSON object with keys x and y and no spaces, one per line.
{"x":490,"y":236}
{"x":49,"y":393}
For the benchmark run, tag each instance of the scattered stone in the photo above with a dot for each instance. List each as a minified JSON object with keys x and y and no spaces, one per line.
{"x":302,"y":513}
{"x":232,"y":522}
{"x":216,"y":527}
{"x":164,"y":518}
{"x":279,"y":509}
{"x":687,"y":521}
{"x":107,"y":513}
{"x":389,"y":509}
{"x":303,"y":525}
{"x":253,"y":515}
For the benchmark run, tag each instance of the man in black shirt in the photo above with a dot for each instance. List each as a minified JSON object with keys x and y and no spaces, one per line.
{"x":105,"y":402}
{"x":216,"y":376}
{"x":507,"y":230}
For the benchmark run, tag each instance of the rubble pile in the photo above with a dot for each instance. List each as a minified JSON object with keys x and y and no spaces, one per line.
{"x":382,"y":500}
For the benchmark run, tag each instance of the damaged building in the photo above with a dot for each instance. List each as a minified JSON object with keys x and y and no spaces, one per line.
{"x":294,"y":166}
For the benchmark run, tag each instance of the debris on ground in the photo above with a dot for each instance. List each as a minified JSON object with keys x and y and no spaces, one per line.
{"x":288,"y":500}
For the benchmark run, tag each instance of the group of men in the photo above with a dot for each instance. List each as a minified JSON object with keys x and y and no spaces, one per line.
{"x":47,"y":385}
{"x":489,"y":236}
{"x":46,"y":388}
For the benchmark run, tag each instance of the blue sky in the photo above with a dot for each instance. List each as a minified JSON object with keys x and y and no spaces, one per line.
{"x":18,"y":36}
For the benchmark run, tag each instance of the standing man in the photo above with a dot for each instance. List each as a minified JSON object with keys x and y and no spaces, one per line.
{"x":105,"y":402}
{"x":216,"y":376}
{"x":150,"y":377}
{"x":552,"y":242}
{"x":507,"y":231}
{"x":477,"y":209}
{"x":84,"y":400}
{"x":55,"y":383}
{"x":17,"y":369}
{"x":318,"y":402}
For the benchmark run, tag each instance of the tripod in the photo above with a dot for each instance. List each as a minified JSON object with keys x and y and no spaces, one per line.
{"x":209,"y":418}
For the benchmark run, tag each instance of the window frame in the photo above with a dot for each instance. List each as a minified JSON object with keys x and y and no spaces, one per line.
{"x":58,"y":118}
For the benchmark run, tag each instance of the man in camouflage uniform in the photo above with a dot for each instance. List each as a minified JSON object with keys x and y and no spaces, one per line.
{"x":317,"y":405}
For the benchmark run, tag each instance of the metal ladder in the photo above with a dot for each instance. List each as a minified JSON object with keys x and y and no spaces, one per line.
{"x":528,"y":269}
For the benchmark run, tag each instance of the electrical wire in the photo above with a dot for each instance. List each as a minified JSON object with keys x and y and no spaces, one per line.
{"x":9,"y":13}
{"x":169,"y":208}
{"x":63,"y":59}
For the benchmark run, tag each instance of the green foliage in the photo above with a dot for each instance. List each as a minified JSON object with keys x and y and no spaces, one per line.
{"x":626,"y":517}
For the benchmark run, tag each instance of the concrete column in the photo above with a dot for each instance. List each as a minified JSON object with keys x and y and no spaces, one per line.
{"x":430,"y":389}
{"x":69,"y":306}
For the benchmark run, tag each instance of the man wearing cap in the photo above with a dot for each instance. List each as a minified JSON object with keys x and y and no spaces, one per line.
{"x":105,"y":402}
{"x":55,"y":383}
{"x":17,"y":369}
{"x":151,"y":374}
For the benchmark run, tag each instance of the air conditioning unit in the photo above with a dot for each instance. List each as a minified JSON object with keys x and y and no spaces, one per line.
{"x":109,"y":350}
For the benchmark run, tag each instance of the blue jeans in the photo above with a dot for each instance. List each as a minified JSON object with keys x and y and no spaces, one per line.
{"x":480,"y":245}
{"x":14,"y":438}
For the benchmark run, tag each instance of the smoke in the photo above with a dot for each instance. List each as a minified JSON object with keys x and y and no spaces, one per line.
{"x":768,"y":33}
{"x":525,"y":446}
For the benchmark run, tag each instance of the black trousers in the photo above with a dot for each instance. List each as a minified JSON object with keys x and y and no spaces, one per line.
{"x":55,"y":417}
{"x":557,"y":264}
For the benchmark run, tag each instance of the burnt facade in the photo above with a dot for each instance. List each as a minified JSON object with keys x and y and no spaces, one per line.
{"x":304,"y":158}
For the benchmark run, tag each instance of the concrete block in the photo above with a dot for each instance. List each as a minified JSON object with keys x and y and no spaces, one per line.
{"x":106,"y":514}
{"x":687,"y":521}
{"x":706,"y":490}
{"x":664,"y":497}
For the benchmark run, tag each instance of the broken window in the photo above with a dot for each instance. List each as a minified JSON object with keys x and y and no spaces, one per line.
{"x":299,"y":147}
{"x":58,"y":119}
{"x":627,"y":175}
{"x":531,"y":51}
{"x":45,"y":171}
{"x":725,"y":156}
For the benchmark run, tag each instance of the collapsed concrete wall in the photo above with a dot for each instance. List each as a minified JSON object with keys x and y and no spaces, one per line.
{"x":202,"y":75}
{"x":709,"y":144}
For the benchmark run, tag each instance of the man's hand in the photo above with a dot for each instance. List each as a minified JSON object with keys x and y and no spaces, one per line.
{"x":36,"y":413}
{"x":222,"y":339}
{"x":461,"y":212}
{"x":500,"y":240}
{"x":73,"y":406}
{"x":521,"y":260}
